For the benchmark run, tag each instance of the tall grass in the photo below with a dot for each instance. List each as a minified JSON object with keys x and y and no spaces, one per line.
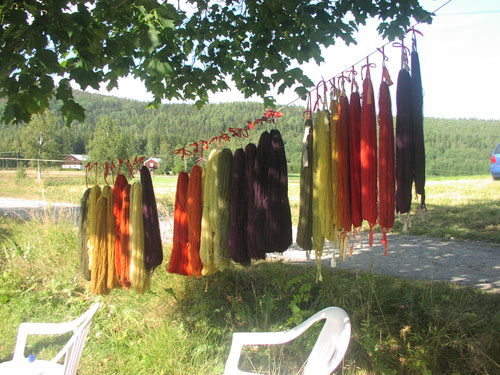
{"x":184,"y":325}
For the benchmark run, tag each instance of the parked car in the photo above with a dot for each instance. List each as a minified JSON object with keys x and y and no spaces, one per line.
{"x":495,"y":163}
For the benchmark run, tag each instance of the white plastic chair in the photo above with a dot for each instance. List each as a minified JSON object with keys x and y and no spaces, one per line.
{"x":326,"y":355}
{"x":71,"y":352}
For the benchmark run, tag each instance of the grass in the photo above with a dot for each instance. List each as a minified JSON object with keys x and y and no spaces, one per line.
{"x":466,"y":209}
{"x":184,"y":325}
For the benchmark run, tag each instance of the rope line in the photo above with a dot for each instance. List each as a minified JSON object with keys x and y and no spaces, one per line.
{"x":363,"y":59}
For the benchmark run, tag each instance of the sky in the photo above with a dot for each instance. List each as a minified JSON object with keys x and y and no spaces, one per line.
{"x":459,"y":58}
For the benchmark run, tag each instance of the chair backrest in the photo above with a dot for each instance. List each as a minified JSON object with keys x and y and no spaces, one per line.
{"x":72,"y":351}
{"x":332,"y":342}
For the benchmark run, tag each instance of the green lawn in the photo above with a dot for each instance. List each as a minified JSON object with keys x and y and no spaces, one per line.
{"x":184,"y":325}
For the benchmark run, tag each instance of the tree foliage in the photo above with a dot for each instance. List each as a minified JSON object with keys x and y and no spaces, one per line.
{"x":182,"y":52}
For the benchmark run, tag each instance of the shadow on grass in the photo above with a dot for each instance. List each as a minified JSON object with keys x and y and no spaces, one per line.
{"x":473,"y":221}
{"x":399,"y":326}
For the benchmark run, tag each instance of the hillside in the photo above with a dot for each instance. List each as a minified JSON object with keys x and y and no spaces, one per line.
{"x":115,"y":127}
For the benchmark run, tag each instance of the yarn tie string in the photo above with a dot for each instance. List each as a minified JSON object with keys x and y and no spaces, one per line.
{"x":385,"y":72}
{"x":367,"y":66}
{"x":308,"y":112}
{"x":405,"y":51}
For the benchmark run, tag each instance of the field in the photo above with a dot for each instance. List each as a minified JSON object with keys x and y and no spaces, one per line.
{"x":460,"y":207}
{"x":184,"y":325}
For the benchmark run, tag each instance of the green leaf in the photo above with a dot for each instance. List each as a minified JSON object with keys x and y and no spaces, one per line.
{"x":72,"y":111}
{"x":48,"y":58}
{"x":160,"y":67}
{"x":64,"y":90}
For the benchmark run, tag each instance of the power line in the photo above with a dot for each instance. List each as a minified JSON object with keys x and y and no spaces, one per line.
{"x":31,"y":159}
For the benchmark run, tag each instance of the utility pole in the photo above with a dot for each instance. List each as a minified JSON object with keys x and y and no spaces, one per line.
{"x":40,"y":142}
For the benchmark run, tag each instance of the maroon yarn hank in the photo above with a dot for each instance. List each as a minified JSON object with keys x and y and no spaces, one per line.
{"x":261,"y":167}
{"x":252,"y":235}
{"x":153,"y":250}
{"x":368,"y":154}
{"x":387,"y":192}
{"x":238,"y":210}
{"x":417,"y":101}
{"x":343,"y":171}
{"x":355,"y":158}
{"x":404,"y":144}
{"x":278,"y":228}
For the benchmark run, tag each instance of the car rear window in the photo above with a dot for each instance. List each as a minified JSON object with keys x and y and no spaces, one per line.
{"x":497,"y":149}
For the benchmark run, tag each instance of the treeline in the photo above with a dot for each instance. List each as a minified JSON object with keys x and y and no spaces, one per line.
{"x":117,"y":127}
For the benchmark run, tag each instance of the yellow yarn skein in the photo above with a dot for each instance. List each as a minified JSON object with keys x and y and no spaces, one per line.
{"x":318,"y":238}
{"x":112,"y":276}
{"x":99,"y":266}
{"x":139,"y":276}
{"x":206,"y":244}
{"x":95,"y":193}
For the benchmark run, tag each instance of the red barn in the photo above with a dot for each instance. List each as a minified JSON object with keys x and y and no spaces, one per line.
{"x":152,"y":164}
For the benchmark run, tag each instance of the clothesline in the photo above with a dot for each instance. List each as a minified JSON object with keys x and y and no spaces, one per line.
{"x":360,"y":61}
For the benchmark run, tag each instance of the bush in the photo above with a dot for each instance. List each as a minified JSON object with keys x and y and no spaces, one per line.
{"x":20,"y":174}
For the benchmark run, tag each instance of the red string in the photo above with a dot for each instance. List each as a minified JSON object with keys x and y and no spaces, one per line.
{"x":385,"y":73}
{"x":367,"y":66}
{"x":120,"y":162}
{"x":318,"y":96}
{"x":204,"y":146}
{"x":106,"y":172}
{"x":182,"y":151}
{"x":269,"y":116}
{"x":112,"y":167}
{"x":195,"y":145}
{"x":308,"y":112}
{"x":341,"y":81}
{"x":352,"y":76}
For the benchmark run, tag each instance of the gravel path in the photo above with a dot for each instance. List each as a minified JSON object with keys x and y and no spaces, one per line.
{"x":471,"y":263}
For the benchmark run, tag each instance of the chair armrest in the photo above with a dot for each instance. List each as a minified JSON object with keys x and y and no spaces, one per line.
{"x":26,"y":329}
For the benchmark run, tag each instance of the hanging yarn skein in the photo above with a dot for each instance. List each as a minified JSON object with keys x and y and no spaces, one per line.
{"x":95,"y":193}
{"x":193,"y":211}
{"x":206,"y":244}
{"x":99,"y":251}
{"x":404,"y":144}
{"x":82,"y":236}
{"x":251,"y":235}
{"x":387,"y":191}
{"x":153,"y":249}
{"x":125,"y":238}
{"x":417,"y":101}
{"x":178,"y":260}
{"x":222,"y":217}
{"x":322,"y":193}
{"x":278,"y":227}
{"x":140,"y":280}
{"x":304,"y":227}
{"x":238,"y":211}
{"x":355,"y":159}
{"x":334,"y":208}
{"x":343,"y":175}
{"x":118,"y":189}
{"x":261,"y":178}
{"x":368,"y":155}
{"x":112,"y":280}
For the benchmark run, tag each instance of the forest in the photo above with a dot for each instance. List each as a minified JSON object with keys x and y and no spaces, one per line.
{"x":116,"y":127}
